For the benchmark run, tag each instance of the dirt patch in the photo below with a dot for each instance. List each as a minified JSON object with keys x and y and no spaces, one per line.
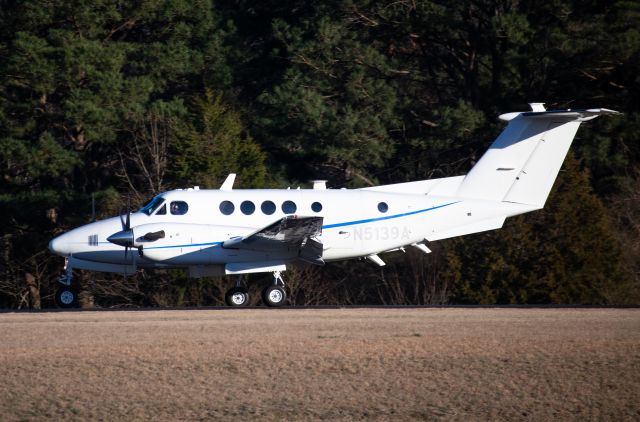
{"x":322,"y":364}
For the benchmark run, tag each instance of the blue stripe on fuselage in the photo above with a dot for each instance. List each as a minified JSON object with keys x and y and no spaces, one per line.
{"x":328,"y":226}
{"x":388,"y":217}
{"x":191,"y":245}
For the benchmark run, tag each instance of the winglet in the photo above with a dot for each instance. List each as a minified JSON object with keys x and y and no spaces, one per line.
{"x":228,"y":182}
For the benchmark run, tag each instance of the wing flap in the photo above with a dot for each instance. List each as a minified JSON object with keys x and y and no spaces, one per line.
{"x":291,"y":235}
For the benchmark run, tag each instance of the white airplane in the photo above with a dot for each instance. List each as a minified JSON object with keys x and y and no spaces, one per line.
{"x":236,"y":231}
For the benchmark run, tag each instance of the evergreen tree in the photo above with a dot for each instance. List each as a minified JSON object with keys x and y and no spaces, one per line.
{"x":215,"y":146}
{"x":565,"y":253}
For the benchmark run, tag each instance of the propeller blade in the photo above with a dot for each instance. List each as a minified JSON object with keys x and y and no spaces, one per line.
{"x":126,"y":224}
{"x":93,"y":207}
{"x":128,"y":213}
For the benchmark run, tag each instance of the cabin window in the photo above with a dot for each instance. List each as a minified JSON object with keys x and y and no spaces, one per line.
{"x":316,"y":207}
{"x":162,"y":210}
{"x":227,"y":207}
{"x":268,"y":207}
{"x":383,"y":207}
{"x":247,"y":207}
{"x":179,"y":207}
{"x":289,"y":207}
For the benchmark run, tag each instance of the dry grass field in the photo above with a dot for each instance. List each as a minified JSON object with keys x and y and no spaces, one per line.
{"x":340,"y":364}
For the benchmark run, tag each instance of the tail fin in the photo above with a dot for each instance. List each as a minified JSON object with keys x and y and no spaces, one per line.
{"x":523,"y":162}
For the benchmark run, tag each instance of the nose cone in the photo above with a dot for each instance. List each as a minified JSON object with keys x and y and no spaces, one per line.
{"x":59,"y":245}
{"x":122,"y":238}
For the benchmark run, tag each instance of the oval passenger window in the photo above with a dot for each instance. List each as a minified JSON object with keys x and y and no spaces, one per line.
{"x":247,"y":207}
{"x":383,"y":207}
{"x":316,"y":207}
{"x":268,"y":207}
{"x":227,"y":207}
{"x":289,"y":207}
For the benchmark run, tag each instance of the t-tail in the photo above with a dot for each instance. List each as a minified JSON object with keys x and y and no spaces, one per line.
{"x":523,"y":162}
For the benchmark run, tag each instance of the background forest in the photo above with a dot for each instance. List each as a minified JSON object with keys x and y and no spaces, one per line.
{"x":122,"y":100}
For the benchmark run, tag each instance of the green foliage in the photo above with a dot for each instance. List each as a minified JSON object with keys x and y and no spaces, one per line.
{"x":335,"y":103}
{"x":566,"y":253}
{"x":215,"y":146}
{"x":125,"y":99}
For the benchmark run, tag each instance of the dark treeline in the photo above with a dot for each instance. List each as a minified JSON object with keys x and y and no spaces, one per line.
{"x":122,"y":100}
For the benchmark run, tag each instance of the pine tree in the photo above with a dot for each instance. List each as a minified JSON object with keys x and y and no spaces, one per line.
{"x":565,"y":253}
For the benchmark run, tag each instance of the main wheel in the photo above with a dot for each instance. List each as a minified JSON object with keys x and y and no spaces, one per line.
{"x":237,"y":296}
{"x":66,"y":298}
{"x":274,"y":296}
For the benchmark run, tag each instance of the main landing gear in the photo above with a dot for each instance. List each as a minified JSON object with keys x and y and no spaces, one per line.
{"x":273,"y":295}
{"x":238,"y":295}
{"x":66,"y":296}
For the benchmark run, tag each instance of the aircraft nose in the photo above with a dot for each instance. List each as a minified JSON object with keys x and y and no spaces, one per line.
{"x":58,"y":245}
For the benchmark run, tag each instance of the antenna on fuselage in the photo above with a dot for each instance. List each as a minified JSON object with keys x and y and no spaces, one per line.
{"x":228,"y":182}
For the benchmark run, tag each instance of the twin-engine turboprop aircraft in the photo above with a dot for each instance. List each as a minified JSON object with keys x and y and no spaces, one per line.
{"x":236,"y":231}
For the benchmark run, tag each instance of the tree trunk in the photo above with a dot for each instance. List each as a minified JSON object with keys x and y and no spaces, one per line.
{"x":34,"y":290}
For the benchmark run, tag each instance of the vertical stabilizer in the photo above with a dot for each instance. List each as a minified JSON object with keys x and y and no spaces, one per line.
{"x":523,"y":162}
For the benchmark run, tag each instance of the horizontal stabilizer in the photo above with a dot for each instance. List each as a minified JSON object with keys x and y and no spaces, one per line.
{"x":523,"y":162}
{"x":561,"y":115}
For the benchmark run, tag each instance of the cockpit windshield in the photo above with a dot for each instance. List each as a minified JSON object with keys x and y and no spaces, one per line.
{"x":152,"y":205}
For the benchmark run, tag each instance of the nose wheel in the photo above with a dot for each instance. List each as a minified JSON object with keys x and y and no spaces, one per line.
{"x":66,"y":298}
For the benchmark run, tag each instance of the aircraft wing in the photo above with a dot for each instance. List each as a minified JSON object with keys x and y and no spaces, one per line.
{"x":291,"y":235}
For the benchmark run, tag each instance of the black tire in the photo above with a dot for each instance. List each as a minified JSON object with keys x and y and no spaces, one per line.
{"x":274,"y":296}
{"x":66,"y":298}
{"x":237,"y":297}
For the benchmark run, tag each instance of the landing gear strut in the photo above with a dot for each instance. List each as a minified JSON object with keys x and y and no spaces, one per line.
{"x":238,"y":295}
{"x":66,"y":296}
{"x":275,"y":295}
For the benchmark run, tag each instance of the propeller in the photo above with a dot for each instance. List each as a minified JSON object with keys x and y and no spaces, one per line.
{"x":125,"y":236}
{"x":93,"y":207}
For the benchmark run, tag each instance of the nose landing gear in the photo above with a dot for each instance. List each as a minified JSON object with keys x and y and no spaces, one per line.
{"x":66,"y":296}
